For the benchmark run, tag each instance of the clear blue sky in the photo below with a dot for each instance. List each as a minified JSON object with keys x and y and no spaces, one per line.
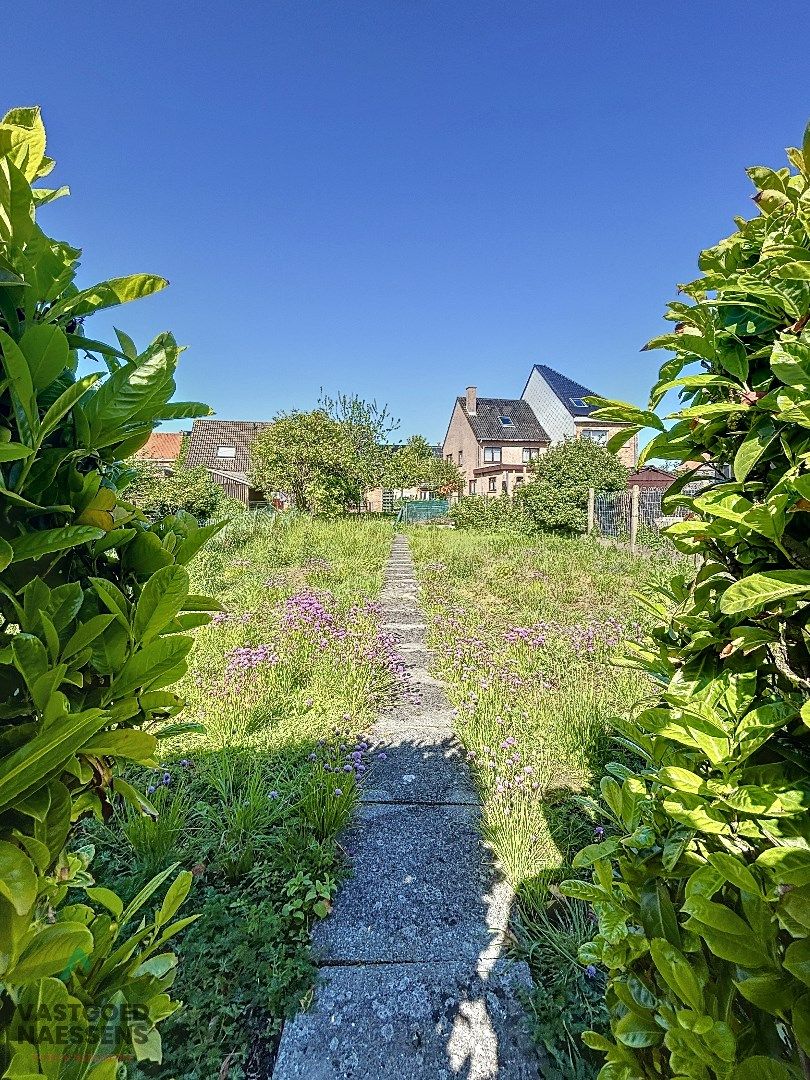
{"x":399,"y":198}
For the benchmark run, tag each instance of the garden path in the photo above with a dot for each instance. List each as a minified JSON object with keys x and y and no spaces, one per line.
{"x":414,"y":981}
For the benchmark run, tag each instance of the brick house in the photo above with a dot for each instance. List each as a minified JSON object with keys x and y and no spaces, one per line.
{"x":162,"y":449}
{"x":223,"y":448}
{"x":494,"y":440}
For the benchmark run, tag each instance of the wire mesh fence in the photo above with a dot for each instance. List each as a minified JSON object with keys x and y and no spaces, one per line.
{"x":635,"y":516}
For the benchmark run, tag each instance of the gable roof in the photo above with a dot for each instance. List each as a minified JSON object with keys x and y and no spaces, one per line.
{"x":486,"y":422}
{"x":566,"y":390}
{"x":162,"y":446}
{"x":207,"y":435}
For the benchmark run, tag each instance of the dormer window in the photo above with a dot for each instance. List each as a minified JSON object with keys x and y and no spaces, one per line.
{"x":226,"y":451}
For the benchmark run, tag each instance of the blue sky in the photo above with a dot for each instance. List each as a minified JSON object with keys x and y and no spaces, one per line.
{"x":400,"y":198}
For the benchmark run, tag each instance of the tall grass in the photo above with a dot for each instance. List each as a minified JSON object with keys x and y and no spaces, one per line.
{"x":523,"y":631}
{"x":284,"y":683}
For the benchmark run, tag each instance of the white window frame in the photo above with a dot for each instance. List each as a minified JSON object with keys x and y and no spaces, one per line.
{"x":531,"y":453}
{"x":230,"y":452}
{"x":599,"y":436}
{"x":493,"y":455}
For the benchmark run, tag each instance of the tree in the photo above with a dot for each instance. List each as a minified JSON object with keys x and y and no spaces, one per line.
{"x":95,"y":605}
{"x":702,"y":883}
{"x":192,"y":491}
{"x":556,"y":497}
{"x":326,"y":459}
{"x":414,"y":464}
{"x":310,"y":458}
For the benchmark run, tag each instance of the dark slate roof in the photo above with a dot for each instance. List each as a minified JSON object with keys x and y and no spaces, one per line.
{"x":207,"y":435}
{"x":487,"y":426}
{"x":566,"y":390}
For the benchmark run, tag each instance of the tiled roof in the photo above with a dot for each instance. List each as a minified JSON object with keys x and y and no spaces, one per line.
{"x":162,"y":446}
{"x":208,"y":435}
{"x":566,"y":390}
{"x":487,"y":426}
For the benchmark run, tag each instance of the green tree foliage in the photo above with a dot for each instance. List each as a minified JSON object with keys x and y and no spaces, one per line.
{"x":414,"y":465}
{"x":307,"y":457}
{"x":190,"y":490}
{"x":702,"y":883}
{"x":95,"y":611}
{"x":327,"y":459}
{"x":556,"y":498}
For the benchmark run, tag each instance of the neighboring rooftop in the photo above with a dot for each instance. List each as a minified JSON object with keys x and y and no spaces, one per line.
{"x":504,"y":420}
{"x":223,"y":445}
{"x":162,"y":446}
{"x":570,"y":393}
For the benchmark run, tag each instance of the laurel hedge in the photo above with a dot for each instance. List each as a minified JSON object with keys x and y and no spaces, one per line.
{"x":95,"y":610}
{"x":702,"y":883}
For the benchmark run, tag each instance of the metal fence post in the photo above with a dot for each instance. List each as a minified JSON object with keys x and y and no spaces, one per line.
{"x":634,"y":516}
{"x":591,"y":509}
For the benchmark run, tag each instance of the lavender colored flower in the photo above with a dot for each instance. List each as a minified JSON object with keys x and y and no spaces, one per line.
{"x":590,"y":971}
{"x":599,"y":832}
{"x":272,"y":795}
{"x":337,"y":792}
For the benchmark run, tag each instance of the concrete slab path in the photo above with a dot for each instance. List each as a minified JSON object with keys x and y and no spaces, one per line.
{"x":414,"y":980}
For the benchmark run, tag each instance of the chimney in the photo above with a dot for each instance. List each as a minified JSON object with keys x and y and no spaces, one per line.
{"x":472,"y":400}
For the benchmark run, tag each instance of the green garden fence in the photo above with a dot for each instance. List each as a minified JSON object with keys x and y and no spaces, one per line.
{"x":423,"y":510}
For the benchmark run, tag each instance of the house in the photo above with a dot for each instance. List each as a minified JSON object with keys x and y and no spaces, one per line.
{"x":162,"y":450}
{"x":223,"y":448}
{"x":492,"y":441}
{"x":559,"y":404}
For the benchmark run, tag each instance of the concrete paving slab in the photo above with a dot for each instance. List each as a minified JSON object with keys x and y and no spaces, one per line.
{"x":421,"y":889}
{"x":443,"y":1021}
{"x":423,"y":768}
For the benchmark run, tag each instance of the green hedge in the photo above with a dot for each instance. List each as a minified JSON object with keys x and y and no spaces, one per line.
{"x":702,"y":884}
{"x":94,"y":618}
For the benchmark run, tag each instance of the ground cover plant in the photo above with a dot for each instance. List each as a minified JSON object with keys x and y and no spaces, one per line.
{"x":95,"y":609}
{"x":702,"y":887}
{"x":285,"y":681}
{"x":523,"y":631}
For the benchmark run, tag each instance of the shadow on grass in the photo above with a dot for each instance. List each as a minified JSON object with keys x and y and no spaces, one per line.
{"x":258,"y":830}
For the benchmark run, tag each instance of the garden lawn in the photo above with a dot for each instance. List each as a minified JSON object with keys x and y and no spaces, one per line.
{"x":523,"y":631}
{"x":285,"y":680}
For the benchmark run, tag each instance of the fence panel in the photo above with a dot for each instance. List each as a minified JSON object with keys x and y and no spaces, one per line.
{"x":424,"y":509}
{"x":631,"y":516}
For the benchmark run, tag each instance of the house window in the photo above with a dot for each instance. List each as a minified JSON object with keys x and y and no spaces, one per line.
{"x":492,"y":454}
{"x":597,"y":435}
{"x":518,"y":480}
{"x":578,"y":403}
{"x":531,"y":453}
{"x":448,"y":457}
{"x":472,"y":487}
{"x":461,"y":457}
{"x":493,"y":483}
{"x":226,"y":451}
{"x":506,"y":421}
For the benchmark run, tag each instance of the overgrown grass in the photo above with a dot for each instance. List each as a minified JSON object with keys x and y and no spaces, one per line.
{"x":523,"y":632}
{"x":284,"y":683}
